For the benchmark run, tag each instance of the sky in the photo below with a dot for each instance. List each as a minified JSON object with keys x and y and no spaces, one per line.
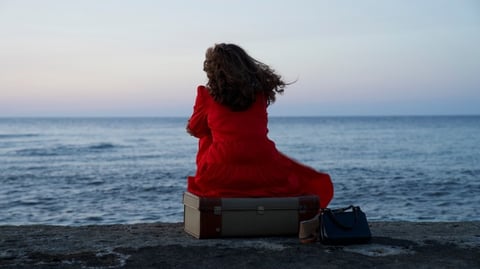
{"x":102,"y":58}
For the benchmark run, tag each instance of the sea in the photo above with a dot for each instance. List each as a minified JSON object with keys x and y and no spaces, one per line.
{"x":95,"y":171}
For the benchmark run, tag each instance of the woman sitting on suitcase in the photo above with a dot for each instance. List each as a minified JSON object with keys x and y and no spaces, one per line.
{"x":235,"y":157}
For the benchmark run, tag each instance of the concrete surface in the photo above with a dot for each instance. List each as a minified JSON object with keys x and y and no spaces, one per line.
{"x":166,"y":245}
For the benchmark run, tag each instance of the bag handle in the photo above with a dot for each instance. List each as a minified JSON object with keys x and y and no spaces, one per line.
{"x":332,"y":213}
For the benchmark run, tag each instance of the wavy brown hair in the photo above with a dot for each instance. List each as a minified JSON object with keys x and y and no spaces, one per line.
{"x":235,"y":78}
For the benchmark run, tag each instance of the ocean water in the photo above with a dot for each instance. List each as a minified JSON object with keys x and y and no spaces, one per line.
{"x":81,"y":171}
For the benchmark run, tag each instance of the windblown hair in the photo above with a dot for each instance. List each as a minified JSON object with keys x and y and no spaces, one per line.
{"x":235,"y":78}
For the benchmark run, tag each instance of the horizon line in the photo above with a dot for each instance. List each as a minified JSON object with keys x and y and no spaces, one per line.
{"x":270,"y":116}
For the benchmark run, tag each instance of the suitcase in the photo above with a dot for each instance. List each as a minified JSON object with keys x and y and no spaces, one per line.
{"x":243,"y":217}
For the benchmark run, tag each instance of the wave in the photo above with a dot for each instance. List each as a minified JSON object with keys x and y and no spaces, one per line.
{"x":62,"y":150}
{"x":101,"y":146}
{"x":9,"y":136}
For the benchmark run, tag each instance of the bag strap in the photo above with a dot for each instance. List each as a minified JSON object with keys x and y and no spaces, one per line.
{"x":332,"y":213}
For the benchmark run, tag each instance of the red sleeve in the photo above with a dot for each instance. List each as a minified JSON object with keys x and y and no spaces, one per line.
{"x":197,"y":124}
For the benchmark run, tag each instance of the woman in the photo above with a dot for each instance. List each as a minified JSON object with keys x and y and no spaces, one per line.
{"x":235,"y":157}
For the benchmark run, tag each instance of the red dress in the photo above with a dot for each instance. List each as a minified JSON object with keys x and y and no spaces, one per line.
{"x":236,"y":158}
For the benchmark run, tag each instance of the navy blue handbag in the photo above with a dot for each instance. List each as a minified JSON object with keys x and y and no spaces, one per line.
{"x":344,"y":226}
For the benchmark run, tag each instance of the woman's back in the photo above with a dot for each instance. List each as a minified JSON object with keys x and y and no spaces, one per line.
{"x":226,"y":124}
{"x":239,"y":135}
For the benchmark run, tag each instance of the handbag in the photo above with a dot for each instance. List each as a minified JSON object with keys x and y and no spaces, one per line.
{"x":341,"y":226}
{"x":344,"y":226}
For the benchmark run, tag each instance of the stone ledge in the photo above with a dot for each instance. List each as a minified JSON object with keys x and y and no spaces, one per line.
{"x":166,"y":245}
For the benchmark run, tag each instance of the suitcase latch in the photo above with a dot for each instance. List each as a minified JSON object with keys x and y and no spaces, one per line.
{"x":260,"y":210}
{"x":217,"y":210}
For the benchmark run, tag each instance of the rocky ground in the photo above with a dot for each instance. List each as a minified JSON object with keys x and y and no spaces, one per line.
{"x":166,"y":245}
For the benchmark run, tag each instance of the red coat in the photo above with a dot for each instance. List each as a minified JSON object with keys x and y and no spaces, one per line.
{"x":236,"y":158}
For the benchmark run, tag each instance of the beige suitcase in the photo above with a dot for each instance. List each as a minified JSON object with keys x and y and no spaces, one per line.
{"x":236,"y":217}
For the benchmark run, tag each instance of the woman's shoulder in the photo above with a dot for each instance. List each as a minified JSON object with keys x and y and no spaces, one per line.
{"x":202,"y":89}
{"x":203,"y":93}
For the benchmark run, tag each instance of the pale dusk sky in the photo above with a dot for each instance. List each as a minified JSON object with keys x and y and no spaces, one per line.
{"x":144,"y":58}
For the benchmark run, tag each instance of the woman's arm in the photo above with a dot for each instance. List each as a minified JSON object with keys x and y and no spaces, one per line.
{"x":197,"y":124}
